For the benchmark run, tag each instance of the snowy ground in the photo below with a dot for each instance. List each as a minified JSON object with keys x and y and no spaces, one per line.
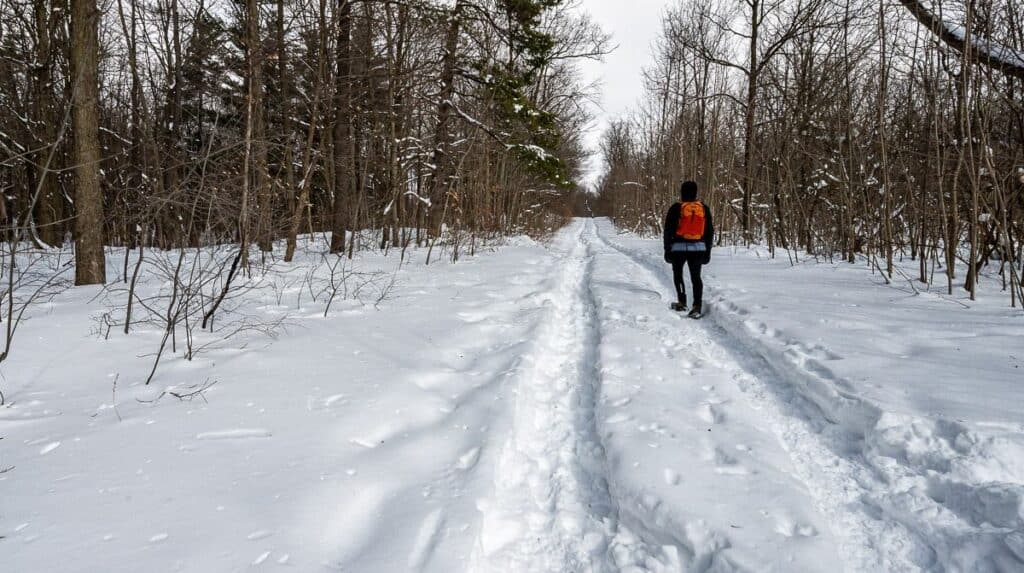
{"x":533,"y":409}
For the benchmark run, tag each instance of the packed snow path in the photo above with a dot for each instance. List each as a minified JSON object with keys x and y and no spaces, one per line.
{"x":551,"y":510}
{"x":695,"y":482}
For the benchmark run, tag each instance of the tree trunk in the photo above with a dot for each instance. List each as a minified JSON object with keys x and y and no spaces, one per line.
{"x":261,"y":186}
{"x":441,"y":156}
{"x":285,"y":109}
{"x":308,"y":161}
{"x":50,"y":207}
{"x":90,"y":265}
{"x":342,"y":128}
{"x":748,"y":123}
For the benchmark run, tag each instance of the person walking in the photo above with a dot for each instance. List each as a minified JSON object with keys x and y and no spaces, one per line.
{"x":688,"y":236}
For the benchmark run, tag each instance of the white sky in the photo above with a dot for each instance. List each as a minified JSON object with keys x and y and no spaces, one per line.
{"x":633,"y":24}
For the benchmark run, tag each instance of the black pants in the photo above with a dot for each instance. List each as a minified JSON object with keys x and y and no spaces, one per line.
{"x":694,"y":260}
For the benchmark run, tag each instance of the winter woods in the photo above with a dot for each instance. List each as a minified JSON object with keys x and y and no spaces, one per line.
{"x":171,"y":123}
{"x":839,"y":127}
{"x":195,"y":141}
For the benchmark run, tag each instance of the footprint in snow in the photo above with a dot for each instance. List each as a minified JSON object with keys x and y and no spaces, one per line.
{"x":654,"y":428}
{"x":724,"y":463}
{"x":718,"y":456}
{"x":709,"y":413}
{"x":671,"y":476}
{"x":821,"y":353}
{"x":473,"y":317}
{"x":788,"y":527}
{"x":468,"y":460}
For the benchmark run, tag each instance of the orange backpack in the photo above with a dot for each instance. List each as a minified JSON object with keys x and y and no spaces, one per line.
{"x":691,"y":221}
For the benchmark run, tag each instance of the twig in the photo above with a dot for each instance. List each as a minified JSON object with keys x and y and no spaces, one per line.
{"x":113,"y":397}
{"x":196,"y":390}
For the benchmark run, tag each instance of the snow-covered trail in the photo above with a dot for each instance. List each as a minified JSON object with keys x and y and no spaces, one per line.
{"x":780,"y":498}
{"x":697,"y":461}
{"x":631,"y":448}
{"x":550,"y":509}
{"x":536,"y":408}
{"x":893,"y":490}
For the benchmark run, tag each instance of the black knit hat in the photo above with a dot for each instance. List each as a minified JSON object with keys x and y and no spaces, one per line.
{"x":688,"y":191}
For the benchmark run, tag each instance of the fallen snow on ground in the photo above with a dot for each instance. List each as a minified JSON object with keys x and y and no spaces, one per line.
{"x":536,"y":408}
{"x":903,"y":411}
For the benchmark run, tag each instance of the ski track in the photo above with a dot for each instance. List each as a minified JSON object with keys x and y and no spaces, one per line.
{"x":551,"y":510}
{"x":884,"y":519}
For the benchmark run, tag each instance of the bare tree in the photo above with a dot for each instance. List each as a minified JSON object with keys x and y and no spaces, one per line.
{"x":847,"y":129}
{"x":90,"y":265}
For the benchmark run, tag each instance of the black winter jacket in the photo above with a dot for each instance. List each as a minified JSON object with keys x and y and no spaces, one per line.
{"x":672,"y":222}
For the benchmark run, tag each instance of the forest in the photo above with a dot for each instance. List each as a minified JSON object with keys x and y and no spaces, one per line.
{"x":194,"y":139}
{"x":389,"y":285}
{"x":838,"y":128}
{"x":156,"y":132}
{"x":181,"y":123}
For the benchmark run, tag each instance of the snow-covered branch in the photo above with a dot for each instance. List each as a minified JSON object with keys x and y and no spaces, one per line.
{"x":984,"y":51}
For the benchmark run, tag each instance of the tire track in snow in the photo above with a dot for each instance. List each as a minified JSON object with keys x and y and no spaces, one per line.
{"x":551,"y":510}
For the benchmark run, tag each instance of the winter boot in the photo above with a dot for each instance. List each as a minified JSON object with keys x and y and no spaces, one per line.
{"x":696,"y":311}
{"x":681,"y":305}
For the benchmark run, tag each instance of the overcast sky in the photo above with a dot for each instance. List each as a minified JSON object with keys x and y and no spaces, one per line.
{"x":633,"y":24}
